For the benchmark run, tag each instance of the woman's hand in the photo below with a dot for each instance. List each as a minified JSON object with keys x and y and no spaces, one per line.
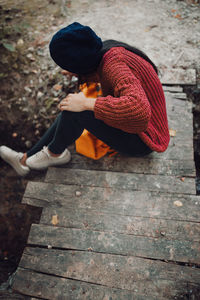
{"x":77,"y":103}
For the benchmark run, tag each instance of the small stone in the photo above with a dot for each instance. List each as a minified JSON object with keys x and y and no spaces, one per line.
{"x":27,"y":89}
{"x":38,"y":125}
{"x":28,"y":144}
{"x":49,"y":247}
{"x":40,"y":52}
{"x":39,"y":95}
{"x":74,"y":79}
{"x":78,"y":193}
{"x":163,"y":233}
{"x":26,"y":72}
{"x":30,"y":56}
{"x":20,"y":43}
{"x":37,"y":132}
{"x":31,"y":49}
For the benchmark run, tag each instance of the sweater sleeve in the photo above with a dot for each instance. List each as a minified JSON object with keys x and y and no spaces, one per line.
{"x":128,"y":109}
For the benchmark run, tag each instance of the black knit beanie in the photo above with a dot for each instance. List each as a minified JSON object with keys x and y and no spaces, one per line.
{"x":76,"y":48}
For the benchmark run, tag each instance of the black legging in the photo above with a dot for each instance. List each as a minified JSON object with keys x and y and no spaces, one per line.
{"x":69,"y":126}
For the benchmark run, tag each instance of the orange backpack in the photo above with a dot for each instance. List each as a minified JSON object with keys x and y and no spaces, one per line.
{"x":87,"y":144}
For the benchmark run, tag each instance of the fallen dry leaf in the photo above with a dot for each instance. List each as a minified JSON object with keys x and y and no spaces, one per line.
{"x":178,"y":16}
{"x":14,"y":135}
{"x":54,"y":220}
{"x":183,"y":179}
{"x":57,"y":87}
{"x":172,"y":132}
{"x":178,"y":203}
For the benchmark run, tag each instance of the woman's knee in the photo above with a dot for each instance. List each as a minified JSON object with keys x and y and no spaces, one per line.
{"x":78,"y":116}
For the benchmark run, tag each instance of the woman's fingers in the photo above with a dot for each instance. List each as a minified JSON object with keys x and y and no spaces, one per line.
{"x":64,"y":107}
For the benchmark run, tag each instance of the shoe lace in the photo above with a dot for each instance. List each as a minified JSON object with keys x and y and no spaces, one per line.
{"x":42,"y":152}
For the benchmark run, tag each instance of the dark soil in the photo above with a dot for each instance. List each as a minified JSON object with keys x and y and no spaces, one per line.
{"x":28,"y":105}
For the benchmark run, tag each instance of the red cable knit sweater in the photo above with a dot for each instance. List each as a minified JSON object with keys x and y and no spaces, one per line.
{"x":134,"y":100}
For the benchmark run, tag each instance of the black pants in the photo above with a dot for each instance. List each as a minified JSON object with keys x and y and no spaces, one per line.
{"x":69,"y":126}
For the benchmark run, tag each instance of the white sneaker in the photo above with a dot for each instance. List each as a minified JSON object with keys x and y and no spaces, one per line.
{"x":13,"y":158}
{"x":42,"y":159}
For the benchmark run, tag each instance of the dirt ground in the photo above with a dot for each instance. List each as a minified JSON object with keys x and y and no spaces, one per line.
{"x":31,"y":85}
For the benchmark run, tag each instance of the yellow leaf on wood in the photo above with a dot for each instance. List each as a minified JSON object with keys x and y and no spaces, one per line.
{"x":172,"y":132}
{"x":178,"y":203}
{"x":54,"y":220}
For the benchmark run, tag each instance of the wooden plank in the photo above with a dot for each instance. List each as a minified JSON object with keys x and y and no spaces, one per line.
{"x":56,"y":288}
{"x":184,"y":129}
{"x":179,"y":111}
{"x":122,"y":163}
{"x":173,"y":89}
{"x":130,"y":181}
{"x":175,"y":152}
{"x":178,"y":76}
{"x":114,"y":201}
{"x":9,"y":295}
{"x":171,"y":101}
{"x":112,"y":271}
{"x":150,"y":227}
{"x":114,"y":243}
{"x":181,"y":96}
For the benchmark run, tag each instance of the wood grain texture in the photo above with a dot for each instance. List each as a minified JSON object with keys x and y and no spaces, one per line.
{"x":120,"y":202}
{"x":178,"y":76}
{"x":56,"y":288}
{"x":173,"y":89}
{"x":130,"y":181}
{"x":126,"y":164}
{"x":112,"y":271}
{"x":110,"y":222}
{"x":114,"y":243}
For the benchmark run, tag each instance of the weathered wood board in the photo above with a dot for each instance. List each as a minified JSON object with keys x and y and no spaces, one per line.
{"x":173,"y":89}
{"x":125,"y":164}
{"x":178,"y":76}
{"x":120,"y":202}
{"x":58,"y":288}
{"x":111,"y":271}
{"x":114,"y":243}
{"x":99,"y":267}
{"x":117,"y":180}
{"x":141,"y":226}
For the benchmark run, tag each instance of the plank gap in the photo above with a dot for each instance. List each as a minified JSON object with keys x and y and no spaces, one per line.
{"x":71,"y":278}
{"x":173,"y":262}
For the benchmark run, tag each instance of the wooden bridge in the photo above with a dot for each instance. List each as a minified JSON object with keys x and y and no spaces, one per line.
{"x":119,"y":228}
